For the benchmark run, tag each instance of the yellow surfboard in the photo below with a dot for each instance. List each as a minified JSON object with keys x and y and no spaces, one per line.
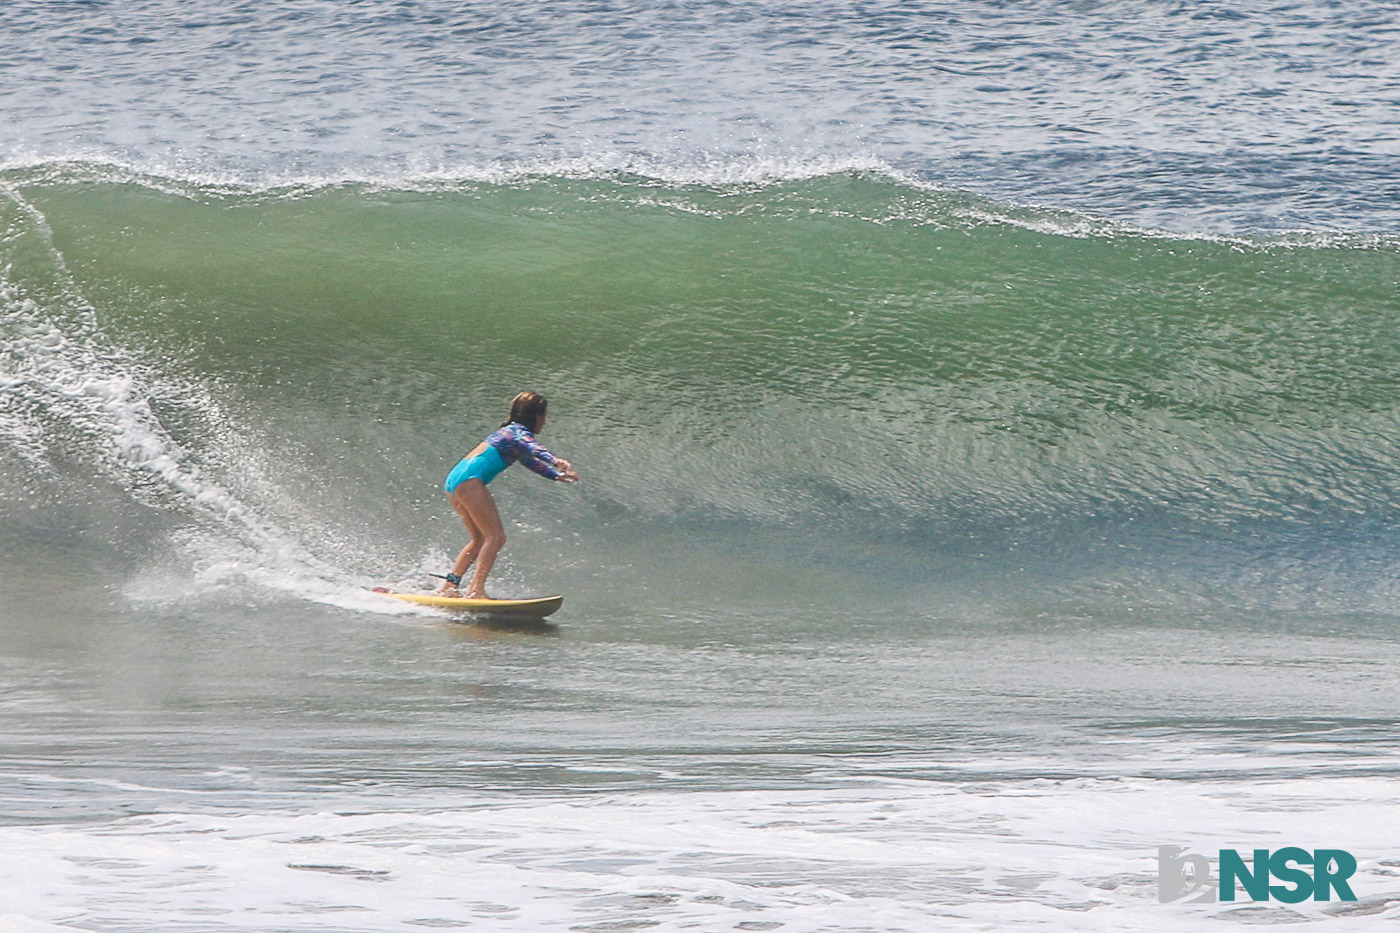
{"x":537,"y":608}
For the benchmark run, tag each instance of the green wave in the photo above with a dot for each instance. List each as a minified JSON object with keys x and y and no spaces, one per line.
{"x":850,"y":354}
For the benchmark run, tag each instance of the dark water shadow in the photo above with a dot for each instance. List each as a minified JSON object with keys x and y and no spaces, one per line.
{"x":497,"y":624}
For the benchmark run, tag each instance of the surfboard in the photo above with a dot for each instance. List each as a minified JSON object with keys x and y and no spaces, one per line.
{"x":537,"y":608}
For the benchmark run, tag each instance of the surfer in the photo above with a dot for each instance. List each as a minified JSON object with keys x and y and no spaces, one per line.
{"x":466,"y":487}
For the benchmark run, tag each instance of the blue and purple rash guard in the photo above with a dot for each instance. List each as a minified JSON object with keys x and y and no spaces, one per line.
{"x":504,"y":446}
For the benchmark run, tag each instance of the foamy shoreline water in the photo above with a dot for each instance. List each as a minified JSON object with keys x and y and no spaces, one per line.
{"x":1038,"y":854}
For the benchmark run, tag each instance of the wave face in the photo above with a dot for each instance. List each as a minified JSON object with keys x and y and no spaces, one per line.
{"x":840,"y":374}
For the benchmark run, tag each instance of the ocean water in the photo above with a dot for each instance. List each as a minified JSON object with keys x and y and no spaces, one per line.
{"x":988,"y":418}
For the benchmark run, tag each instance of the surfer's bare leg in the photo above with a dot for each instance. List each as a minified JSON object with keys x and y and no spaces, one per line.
{"x":464,"y":559}
{"x":474,"y":503}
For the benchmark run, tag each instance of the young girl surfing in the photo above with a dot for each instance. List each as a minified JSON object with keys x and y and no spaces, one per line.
{"x":466,"y":487}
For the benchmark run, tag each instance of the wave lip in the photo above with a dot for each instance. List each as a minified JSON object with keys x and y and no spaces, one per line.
{"x":720,"y":173}
{"x":423,"y":174}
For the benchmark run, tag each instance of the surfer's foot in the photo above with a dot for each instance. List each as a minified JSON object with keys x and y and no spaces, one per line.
{"x":477,"y":594}
{"x":447,"y":589}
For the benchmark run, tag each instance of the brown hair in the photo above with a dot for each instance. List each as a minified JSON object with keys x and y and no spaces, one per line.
{"x":528,"y":408}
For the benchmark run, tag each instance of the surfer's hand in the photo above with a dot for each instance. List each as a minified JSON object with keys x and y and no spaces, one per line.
{"x":567,"y":475}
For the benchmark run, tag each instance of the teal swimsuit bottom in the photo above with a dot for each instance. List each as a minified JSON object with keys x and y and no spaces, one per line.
{"x":485,"y":466}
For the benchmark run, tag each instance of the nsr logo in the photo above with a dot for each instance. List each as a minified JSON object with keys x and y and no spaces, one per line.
{"x":1180,"y":875}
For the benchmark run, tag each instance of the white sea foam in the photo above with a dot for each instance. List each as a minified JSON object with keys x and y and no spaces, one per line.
{"x":1039,"y":854}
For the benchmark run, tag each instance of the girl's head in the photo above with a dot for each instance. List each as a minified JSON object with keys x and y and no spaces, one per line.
{"x":528,"y":408}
